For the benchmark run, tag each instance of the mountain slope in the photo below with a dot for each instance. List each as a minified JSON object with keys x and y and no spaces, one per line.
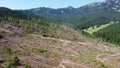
{"x":34,"y":50}
{"x":32,"y":24}
{"x":98,"y":17}
{"x":110,"y":33}
{"x":41,"y":43}
{"x":15,"y":30}
{"x":6,"y":12}
{"x":106,"y":11}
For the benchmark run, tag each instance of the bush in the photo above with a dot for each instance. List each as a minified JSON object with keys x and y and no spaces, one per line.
{"x":41,"y":50}
{"x":14,"y":63}
{"x":7,"y":53}
{"x":7,"y":50}
{"x":26,"y":66}
{"x":2,"y":34}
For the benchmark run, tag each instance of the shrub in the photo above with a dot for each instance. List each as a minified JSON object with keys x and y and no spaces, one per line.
{"x":41,"y":50}
{"x":14,"y":63}
{"x":26,"y":66}
{"x":7,"y":53}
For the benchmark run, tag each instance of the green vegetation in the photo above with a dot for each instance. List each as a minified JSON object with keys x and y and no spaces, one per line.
{"x":13,"y":63}
{"x":98,"y":17}
{"x":41,"y":50}
{"x":79,"y":18}
{"x":2,"y":34}
{"x":9,"y":60}
{"x":33,"y":24}
{"x":26,"y":66}
{"x":101,"y":64}
{"x":53,"y":46}
{"x":110,"y":33}
{"x":7,"y":53}
{"x":96,"y":28}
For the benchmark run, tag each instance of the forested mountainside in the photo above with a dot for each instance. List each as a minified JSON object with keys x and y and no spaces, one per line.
{"x":110,"y":33}
{"x":91,"y":14}
{"x":6,"y":12}
{"x":98,"y":17}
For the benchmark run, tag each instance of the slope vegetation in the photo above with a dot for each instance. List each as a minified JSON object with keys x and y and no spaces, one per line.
{"x":110,"y":34}
{"x":33,"y":24}
{"x":39,"y":43}
{"x":36,"y":51}
{"x":83,"y":17}
{"x":91,"y":30}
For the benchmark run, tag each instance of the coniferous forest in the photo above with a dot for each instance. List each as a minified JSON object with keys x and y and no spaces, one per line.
{"x":110,"y":34}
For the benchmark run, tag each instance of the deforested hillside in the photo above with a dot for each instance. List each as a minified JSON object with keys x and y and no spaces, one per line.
{"x":33,"y":24}
{"x":32,"y":50}
{"x":18,"y":29}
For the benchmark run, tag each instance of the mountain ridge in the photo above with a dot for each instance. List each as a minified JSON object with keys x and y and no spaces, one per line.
{"x":73,"y":15}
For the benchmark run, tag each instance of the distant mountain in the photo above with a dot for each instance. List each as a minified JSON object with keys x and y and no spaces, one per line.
{"x":112,"y":5}
{"x":6,"y":12}
{"x":55,"y":14}
{"x":62,"y":14}
{"x":86,"y":14}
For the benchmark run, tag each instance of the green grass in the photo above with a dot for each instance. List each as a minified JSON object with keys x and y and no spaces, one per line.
{"x":41,"y":50}
{"x":2,"y":34}
{"x":91,"y":30}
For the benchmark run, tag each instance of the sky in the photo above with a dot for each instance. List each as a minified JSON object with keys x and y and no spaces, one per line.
{"x":27,"y":4}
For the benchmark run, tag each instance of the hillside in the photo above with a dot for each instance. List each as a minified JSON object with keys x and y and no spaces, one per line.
{"x":17,"y":31}
{"x":98,"y":17}
{"x":110,"y":33}
{"x":90,"y":15}
{"x":32,"y":24}
{"x":96,"y":28}
{"x":82,"y":17}
{"x":36,"y":51}
{"x":57,"y":38}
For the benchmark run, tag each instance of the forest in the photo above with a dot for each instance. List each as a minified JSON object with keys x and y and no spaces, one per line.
{"x":110,"y":34}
